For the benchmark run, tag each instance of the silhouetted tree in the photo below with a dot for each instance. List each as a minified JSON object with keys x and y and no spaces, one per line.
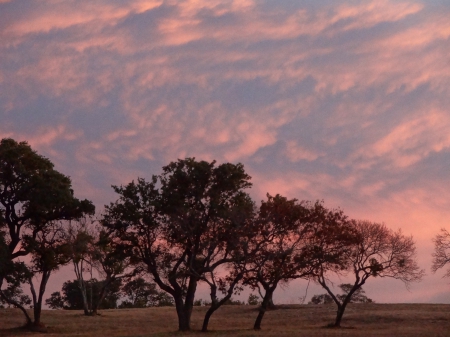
{"x":294,"y":239}
{"x":171,"y":224}
{"x":139,"y":293}
{"x":49,"y":251}
{"x":357,"y":297}
{"x":32,"y":196}
{"x":441,"y":255}
{"x":380,"y":252}
{"x":321,"y":299}
{"x":72,"y":299}
{"x":253,"y":299}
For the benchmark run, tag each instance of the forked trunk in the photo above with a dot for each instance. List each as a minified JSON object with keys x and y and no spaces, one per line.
{"x":184,"y":310}
{"x":339,"y":315}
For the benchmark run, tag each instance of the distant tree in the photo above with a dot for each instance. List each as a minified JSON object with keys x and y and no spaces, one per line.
{"x":72,"y":298}
{"x":139,"y":293}
{"x":32,"y":196}
{"x":231,"y":301}
{"x":253,"y":300}
{"x":174,"y":224}
{"x":357,"y":297}
{"x":441,"y":255}
{"x":321,"y":299}
{"x":55,"y":301}
{"x":380,"y":252}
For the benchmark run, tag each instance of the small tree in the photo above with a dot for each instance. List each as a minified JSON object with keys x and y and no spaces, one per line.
{"x":380,"y":252}
{"x":49,"y":251}
{"x":55,"y":301}
{"x":441,"y":255}
{"x":139,"y":293}
{"x":321,"y":299}
{"x":253,"y":300}
{"x":72,"y":298}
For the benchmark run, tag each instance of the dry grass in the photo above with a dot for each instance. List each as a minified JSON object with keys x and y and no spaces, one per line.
{"x":291,"y":320}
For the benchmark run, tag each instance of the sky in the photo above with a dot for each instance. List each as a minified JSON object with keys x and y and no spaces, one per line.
{"x":342,"y":101}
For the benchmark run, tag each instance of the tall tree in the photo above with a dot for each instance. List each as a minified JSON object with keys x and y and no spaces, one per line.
{"x":170,"y":224}
{"x":378,"y":252}
{"x":287,"y":240}
{"x":441,"y":255}
{"x":32,"y":196}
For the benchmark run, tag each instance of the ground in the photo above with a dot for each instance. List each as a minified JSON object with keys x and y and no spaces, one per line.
{"x":289,"y":320}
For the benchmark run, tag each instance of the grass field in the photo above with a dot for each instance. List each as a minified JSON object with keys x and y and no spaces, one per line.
{"x":290,"y":320}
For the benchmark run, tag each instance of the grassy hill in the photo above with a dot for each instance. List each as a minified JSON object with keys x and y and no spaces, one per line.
{"x":429,"y":320}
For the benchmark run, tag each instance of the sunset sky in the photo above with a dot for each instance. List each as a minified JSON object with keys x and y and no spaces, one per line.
{"x":345,"y":101}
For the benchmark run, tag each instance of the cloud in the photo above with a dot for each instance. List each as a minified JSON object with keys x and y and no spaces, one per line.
{"x":343,"y":101}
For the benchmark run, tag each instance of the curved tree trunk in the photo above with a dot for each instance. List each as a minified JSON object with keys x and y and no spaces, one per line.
{"x":262,"y":310}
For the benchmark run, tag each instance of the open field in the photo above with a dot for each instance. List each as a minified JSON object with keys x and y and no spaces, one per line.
{"x":290,"y":320}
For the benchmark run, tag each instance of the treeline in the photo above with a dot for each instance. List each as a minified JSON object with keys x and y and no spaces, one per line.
{"x":192,"y":224}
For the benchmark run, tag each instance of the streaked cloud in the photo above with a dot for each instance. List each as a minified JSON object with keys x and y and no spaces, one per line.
{"x":345,"y":101}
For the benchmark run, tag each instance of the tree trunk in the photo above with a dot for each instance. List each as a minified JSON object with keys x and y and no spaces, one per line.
{"x":183,"y":322}
{"x":262,"y":310}
{"x":271,"y":305}
{"x":102,"y":295}
{"x":78,"y":268}
{"x":339,"y":315}
{"x":184,"y":310}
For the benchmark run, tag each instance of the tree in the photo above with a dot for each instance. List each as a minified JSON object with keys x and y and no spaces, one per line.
{"x":293,"y":240}
{"x":55,"y":301}
{"x":357,"y":297}
{"x":81,"y":239}
{"x":72,"y":298}
{"x":441,"y":255}
{"x":139,"y":294}
{"x":253,"y":299}
{"x":321,"y":299}
{"x":111,"y":263}
{"x":378,"y":252}
{"x":170,"y":224}
{"x":48,"y":251}
{"x":32,"y":196}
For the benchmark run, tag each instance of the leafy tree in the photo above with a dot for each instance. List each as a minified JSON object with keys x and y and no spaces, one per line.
{"x":111,"y":263}
{"x":293,"y":240}
{"x":253,"y":299}
{"x":49,"y":251}
{"x":358,"y":295}
{"x":72,"y":298}
{"x":32,"y":197}
{"x":139,"y":294}
{"x":55,"y":301}
{"x":321,"y":299}
{"x":81,"y":239}
{"x":378,"y":252}
{"x":174,"y":224}
{"x":441,"y":255}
